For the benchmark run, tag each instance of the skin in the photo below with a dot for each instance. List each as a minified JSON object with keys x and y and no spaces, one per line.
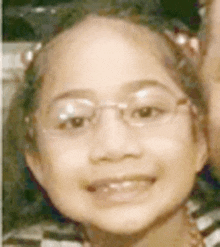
{"x":210,"y":70}
{"x":108,"y":66}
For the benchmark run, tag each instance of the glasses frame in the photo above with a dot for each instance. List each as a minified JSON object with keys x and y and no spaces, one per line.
{"x":120,"y":108}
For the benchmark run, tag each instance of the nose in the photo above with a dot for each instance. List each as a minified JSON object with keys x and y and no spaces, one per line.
{"x":113,"y":140}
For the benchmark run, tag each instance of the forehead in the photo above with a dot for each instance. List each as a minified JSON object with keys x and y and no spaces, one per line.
{"x":104,"y":54}
{"x":105,"y":35}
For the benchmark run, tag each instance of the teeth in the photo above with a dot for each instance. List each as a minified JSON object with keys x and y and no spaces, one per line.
{"x":128,"y":184}
{"x":122,"y":186}
{"x":114,"y":186}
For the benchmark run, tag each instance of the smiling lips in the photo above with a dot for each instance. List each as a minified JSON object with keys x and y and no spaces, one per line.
{"x":120,"y":190}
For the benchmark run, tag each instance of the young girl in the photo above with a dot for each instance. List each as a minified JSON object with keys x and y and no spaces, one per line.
{"x":114,"y":132}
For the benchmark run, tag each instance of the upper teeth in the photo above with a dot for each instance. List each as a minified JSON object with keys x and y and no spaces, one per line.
{"x":126,"y":185}
{"x":113,"y":185}
{"x":119,"y":185}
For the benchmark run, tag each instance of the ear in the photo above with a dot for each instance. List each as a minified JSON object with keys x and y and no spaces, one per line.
{"x":33,"y":161}
{"x":190,"y":45}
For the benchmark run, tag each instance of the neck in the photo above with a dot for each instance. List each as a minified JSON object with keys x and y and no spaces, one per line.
{"x":166,"y":233}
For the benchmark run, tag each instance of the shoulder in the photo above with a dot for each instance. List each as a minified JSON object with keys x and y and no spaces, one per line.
{"x":43,"y":235}
{"x":207,"y":223}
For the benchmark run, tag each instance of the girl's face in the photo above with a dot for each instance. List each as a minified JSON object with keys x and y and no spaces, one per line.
{"x":120,"y":170}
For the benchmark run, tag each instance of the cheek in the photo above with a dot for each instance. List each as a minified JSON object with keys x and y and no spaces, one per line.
{"x":63,"y":161}
{"x":175,"y":151}
{"x":172,"y":153}
{"x":176,"y":170}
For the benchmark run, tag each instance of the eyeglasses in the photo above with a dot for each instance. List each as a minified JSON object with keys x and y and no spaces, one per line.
{"x":142,"y":109}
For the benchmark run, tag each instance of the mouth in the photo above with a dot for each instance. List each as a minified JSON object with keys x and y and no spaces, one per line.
{"x":120,"y":190}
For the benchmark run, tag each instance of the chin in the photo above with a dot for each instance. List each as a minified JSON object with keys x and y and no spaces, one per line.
{"x":129,"y":228}
{"x":126,"y":221}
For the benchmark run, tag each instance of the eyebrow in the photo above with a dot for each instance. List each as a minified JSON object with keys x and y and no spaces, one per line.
{"x":129,"y":87}
{"x":136,"y":86}
{"x":76,"y":93}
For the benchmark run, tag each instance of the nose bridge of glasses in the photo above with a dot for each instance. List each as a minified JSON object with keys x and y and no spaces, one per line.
{"x":110,"y":123}
{"x":108,"y":105}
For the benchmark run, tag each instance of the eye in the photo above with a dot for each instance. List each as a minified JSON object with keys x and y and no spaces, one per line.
{"x":70,"y":116}
{"x":147,"y":113}
{"x":74,"y":124}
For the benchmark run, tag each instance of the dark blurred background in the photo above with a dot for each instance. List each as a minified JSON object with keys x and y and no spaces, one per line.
{"x":32,"y":20}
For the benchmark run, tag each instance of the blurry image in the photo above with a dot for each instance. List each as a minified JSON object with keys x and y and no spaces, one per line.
{"x":106,"y":134}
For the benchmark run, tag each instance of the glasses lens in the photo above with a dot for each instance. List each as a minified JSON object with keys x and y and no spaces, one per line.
{"x":151,"y":108}
{"x":69,"y":116}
